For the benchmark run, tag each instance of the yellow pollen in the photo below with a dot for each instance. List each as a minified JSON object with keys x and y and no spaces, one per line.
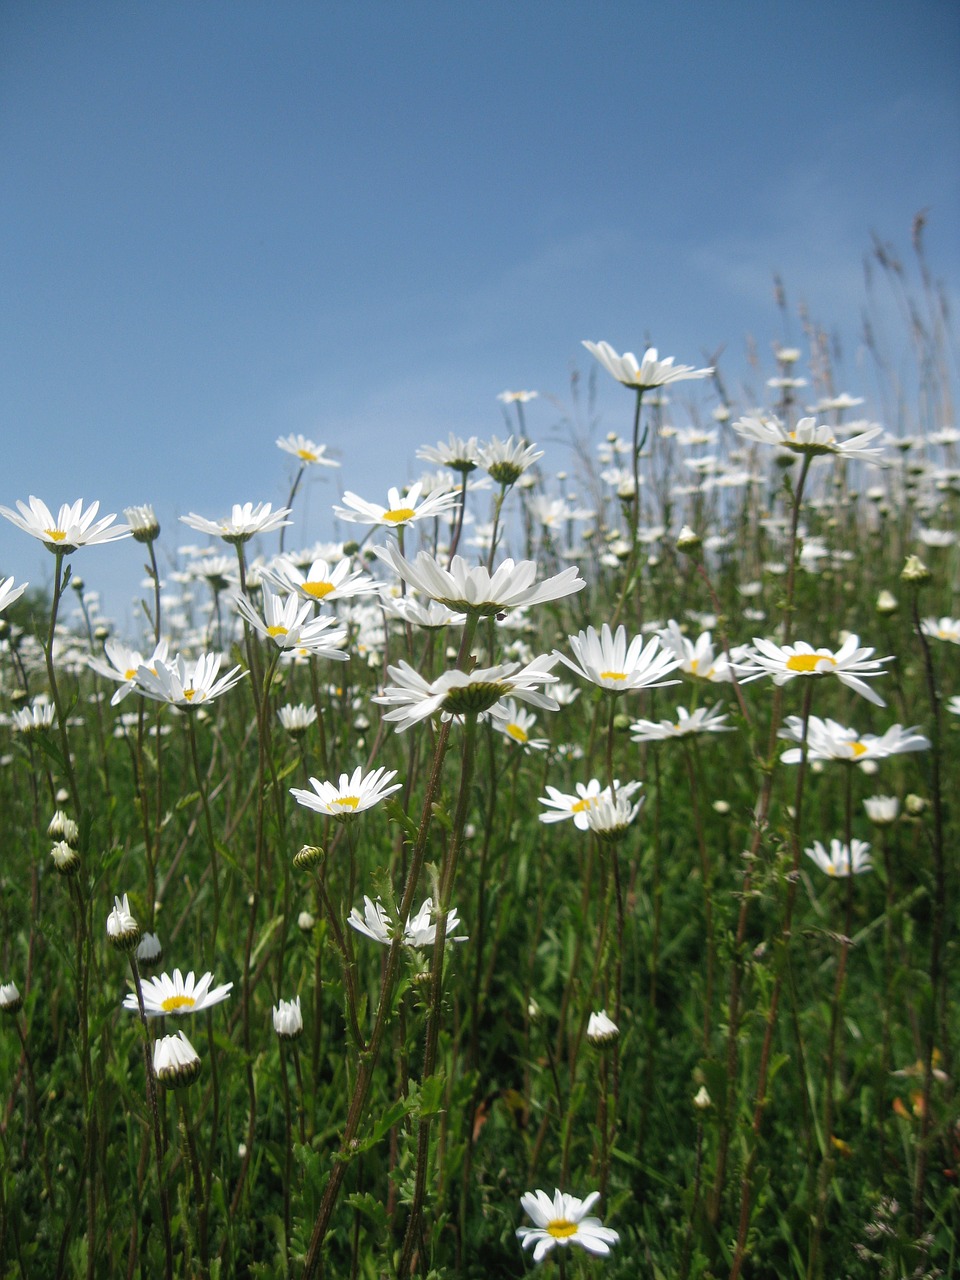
{"x":276,"y":631}
{"x":694,"y":663}
{"x":307,"y":455}
{"x":583,"y":805}
{"x":613,"y":675}
{"x":346,"y":802}
{"x":55,"y":535}
{"x":398,"y":515}
{"x":561,"y":1228}
{"x":516,"y":733}
{"x":858,"y":748}
{"x":130,"y":673}
{"x":189,"y":694}
{"x":174,"y":1003}
{"x":807,"y":663}
{"x":317,"y":589}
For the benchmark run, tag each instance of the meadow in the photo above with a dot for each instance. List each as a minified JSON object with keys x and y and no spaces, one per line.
{"x":557,"y":871}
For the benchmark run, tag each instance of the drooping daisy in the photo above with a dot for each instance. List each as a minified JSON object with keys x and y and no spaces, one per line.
{"x":458,"y":455}
{"x":810,"y":438}
{"x":375,"y":923}
{"x":842,"y":860}
{"x":851,"y":664}
{"x":412,"y":698}
{"x":9,"y":593}
{"x":828,"y":740}
{"x":306,"y":451}
{"x":601,"y":1030}
{"x":473,"y":589}
{"x":72,"y":528}
{"x":351,"y":795}
{"x":403,"y":509}
{"x":244,"y":522}
{"x":648,"y":372}
{"x":607,"y":660}
{"x":563,"y":1221}
{"x":322,"y":581}
{"x":702,"y":720}
{"x":186,"y":684}
{"x":942,"y":629}
{"x":288,"y":1019}
{"x":176,"y":1063}
{"x":289,"y":623}
{"x":176,"y":996}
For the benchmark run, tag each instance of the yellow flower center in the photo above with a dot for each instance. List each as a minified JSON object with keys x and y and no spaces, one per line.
{"x":307,"y":455}
{"x":583,"y":805}
{"x":858,"y":748}
{"x":516,"y":733}
{"x":807,"y":663}
{"x":55,"y":535}
{"x":398,"y":515}
{"x":346,"y":802}
{"x":276,"y":631}
{"x":173,"y":1004}
{"x":130,"y":673}
{"x":189,"y":694}
{"x":561,"y":1228}
{"x":613,"y":675}
{"x":317,"y":589}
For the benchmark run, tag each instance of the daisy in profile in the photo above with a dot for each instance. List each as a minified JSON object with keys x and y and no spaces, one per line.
{"x":578,"y":806}
{"x":614,"y":810}
{"x":851,"y":664}
{"x":123,"y":663}
{"x":308,"y":453}
{"x":176,"y":1063}
{"x":697,"y":658}
{"x":939,"y":629}
{"x":505,"y":461}
{"x":288,"y":1019}
{"x":403,"y":509}
{"x":9,"y":593}
{"x":244,"y":522}
{"x":842,"y":860}
{"x":322,"y":581}
{"x":467,"y":588}
{"x":458,"y":455}
{"x":563,"y":1221}
{"x":297,"y":719}
{"x":72,"y":528}
{"x":290,"y":624}
{"x":828,"y":740}
{"x":607,"y":660}
{"x":176,"y":996}
{"x":350,"y":796}
{"x":419,"y":931}
{"x":430,"y":615}
{"x":186,"y":684}
{"x":651,"y":371}
{"x":411,"y":698}
{"x":810,"y":438}
{"x":702,"y":720}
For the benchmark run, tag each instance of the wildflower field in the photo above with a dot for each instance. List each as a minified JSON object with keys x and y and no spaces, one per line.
{"x":557,"y":871}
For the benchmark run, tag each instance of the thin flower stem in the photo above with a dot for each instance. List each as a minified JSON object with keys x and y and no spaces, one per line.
{"x":155,"y":1117}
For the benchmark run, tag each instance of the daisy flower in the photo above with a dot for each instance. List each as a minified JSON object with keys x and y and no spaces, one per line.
{"x":72,"y":528}
{"x":323,"y":580}
{"x":953,"y":705}
{"x":122,"y":928}
{"x":515,"y":723}
{"x":431,"y":616}
{"x":176,"y":1063}
{"x":143,"y":522}
{"x":810,"y":438}
{"x":649,"y":372}
{"x":614,"y":811}
{"x":9,"y":593}
{"x":702,"y":720}
{"x":882,"y":810}
{"x":243,"y":523}
{"x":606,"y":660}
{"x":937,"y":628}
{"x":11,"y":1001}
{"x":350,"y":796}
{"x":164,"y":995}
{"x":851,"y":664}
{"x":412,"y":698}
{"x":601,"y":1030}
{"x":288,"y":1019}
{"x":285,"y":622}
{"x":307,"y":452}
{"x":506,"y":461}
{"x":517,"y":397}
{"x":842,"y":860}
{"x":458,"y":455}
{"x":186,"y":684}
{"x":123,"y":664}
{"x":297,"y":719}
{"x":828,"y":740}
{"x":580,"y":805}
{"x":563,"y":1221}
{"x":697,"y":658}
{"x":402,"y":510}
{"x":39,"y":715}
{"x":473,"y":589}
{"x":417,"y":932}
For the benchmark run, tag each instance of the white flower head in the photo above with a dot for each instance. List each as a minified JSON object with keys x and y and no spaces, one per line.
{"x":164,"y":996}
{"x":842,"y":860}
{"x":9,"y":593}
{"x":601,"y":1030}
{"x":288,"y":1020}
{"x":244,"y":522}
{"x":11,"y":1001}
{"x":143,"y":522}
{"x":419,"y":930}
{"x":563,"y":1221}
{"x":122,"y":928}
{"x":942,"y":629}
{"x":350,"y":796}
{"x":176,"y":1063}
{"x":288,"y":622}
{"x":505,"y":461}
{"x":458,"y":455}
{"x":403,"y":509}
{"x":701,"y":720}
{"x":828,"y":740}
{"x":308,"y":453}
{"x":882,"y":810}
{"x":648,"y":372}
{"x":72,"y":528}
{"x":186,"y":684}
{"x":607,"y":660}
{"x":810,"y":438}
{"x":851,"y":664}
{"x":411,"y":698}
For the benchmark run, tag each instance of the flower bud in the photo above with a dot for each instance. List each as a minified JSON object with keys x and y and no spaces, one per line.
{"x":122,"y":929}
{"x":915,"y":571}
{"x":886,"y":604}
{"x":601,"y":1030}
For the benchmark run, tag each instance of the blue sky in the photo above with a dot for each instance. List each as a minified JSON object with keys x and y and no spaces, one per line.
{"x":224,"y":222}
